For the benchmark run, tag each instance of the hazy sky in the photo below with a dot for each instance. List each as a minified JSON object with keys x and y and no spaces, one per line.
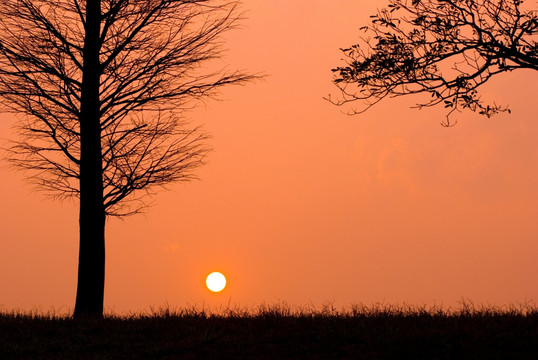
{"x":301,"y":203}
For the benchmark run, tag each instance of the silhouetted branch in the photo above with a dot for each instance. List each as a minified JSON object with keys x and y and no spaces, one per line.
{"x":445,"y":48}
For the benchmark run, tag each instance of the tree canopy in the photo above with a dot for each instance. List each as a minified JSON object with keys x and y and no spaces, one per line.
{"x":444,"y":48}
{"x":150,"y":58}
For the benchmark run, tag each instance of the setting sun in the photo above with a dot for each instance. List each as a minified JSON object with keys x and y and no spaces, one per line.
{"x":215,"y":281}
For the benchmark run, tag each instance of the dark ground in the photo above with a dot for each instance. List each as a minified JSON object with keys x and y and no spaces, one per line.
{"x":275,"y":334}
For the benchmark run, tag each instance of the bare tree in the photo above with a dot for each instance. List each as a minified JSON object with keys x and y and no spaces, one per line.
{"x":445,"y":48}
{"x":101,"y":86}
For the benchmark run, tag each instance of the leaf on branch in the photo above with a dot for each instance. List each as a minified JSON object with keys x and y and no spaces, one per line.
{"x":419,"y":20}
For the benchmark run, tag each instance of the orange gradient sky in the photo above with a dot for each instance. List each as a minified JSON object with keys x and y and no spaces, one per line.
{"x":301,"y":203}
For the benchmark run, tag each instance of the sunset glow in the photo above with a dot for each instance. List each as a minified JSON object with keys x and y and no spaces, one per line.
{"x":298,"y":201}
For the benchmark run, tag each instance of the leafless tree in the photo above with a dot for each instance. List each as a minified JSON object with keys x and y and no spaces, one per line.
{"x":101,"y":87}
{"x":444,"y":48}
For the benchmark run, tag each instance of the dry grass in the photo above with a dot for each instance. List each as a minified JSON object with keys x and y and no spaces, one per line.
{"x":278,"y":332}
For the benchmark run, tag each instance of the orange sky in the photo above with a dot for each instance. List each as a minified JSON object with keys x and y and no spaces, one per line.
{"x":303,"y":204}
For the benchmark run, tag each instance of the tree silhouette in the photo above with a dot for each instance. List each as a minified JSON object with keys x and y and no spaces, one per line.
{"x":445,"y":48}
{"x":102,"y":86}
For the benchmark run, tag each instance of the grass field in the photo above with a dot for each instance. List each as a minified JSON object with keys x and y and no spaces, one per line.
{"x":278,"y":332}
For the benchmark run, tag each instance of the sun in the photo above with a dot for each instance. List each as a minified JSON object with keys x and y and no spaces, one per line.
{"x":215,"y":281}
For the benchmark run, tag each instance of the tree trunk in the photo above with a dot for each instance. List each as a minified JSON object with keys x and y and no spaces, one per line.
{"x":91,"y":267}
